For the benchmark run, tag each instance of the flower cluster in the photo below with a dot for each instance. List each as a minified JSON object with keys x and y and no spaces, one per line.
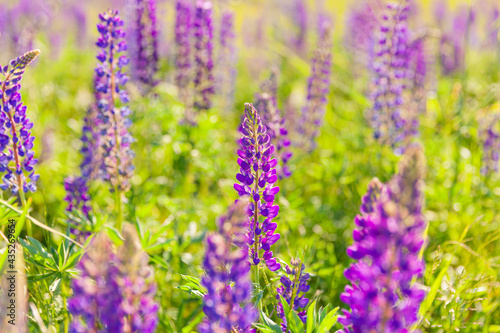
{"x":388,"y":239}
{"x":266,"y":103}
{"x":96,"y":300}
{"x":115,"y":137}
{"x":114,"y":291}
{"x":78,"y":199}
{"x":256,"y":179}
{"x":203,"y":34}
{"x":390,"y":70}
{"x":293,"y":288}
{"x":144,"y":42}
{"x":490,"y":135}
{"x":227,"y":303}
{"x":183,"y":18}
{"x":318,"y":87}
{"x":16,"y":141}
{"x":227,"y":60}
{"x":299,"y":18}
{"x":361,"y":22}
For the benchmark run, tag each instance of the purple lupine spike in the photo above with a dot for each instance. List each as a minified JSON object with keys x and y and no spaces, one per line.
{"x":143,"y":41}
{"x":96,"y":301}
{"x":16,"y":140}
{"x":318,"y":87}
{"x":256,"y":179}
{"x":77,"y":199}
{"x":266,"y":103}
{"x":227,"y":60}
{"x":293,"y":285}
{"x":491,"y":145}
{"x":183,"y":32}
{"x":299,"y":18}
{"x":227,"y":303}
{"x":91,"y":145}
{"x":203,"y":34}
{"x":137,"y":282}
{"x":360,"y":23}
{"x":390,"y":73}
{"x":387,"y":241}
{"x":115,"y":137}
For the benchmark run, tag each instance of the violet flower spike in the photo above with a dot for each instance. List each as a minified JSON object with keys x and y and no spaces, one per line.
{"x":203,"y":34}
{"x":266,"y":102}
{"x":16,"y":140}
{"x":96,"y":301}
{"x":227,"y":61}
{"x":183,"y":32}
{"x":318,"y":88}
{"x":78,"y":200}
{"x":390,"y":73}
{"x":387,"y":242}
{"x":227,"y":304}
{"x":293,"y":288}
{"x":256,"y":179}
{"x":138,"y":284}
{"x":113,"y":112}
{"x":144,"y":43}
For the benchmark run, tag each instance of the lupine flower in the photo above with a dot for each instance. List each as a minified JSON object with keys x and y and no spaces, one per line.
{"x":256,"y":179}
{"x":390,"y":71}
{"x":183,"y":25}
{"x":144,"y":42}
{"x":110,"y":78}
{"x":266,"y":103}
{"x":299,"y":18}
{"x":91,"y":150}
{"x":318,"y":87}
{"x":293,"y":288}
{"x":388,"y":239}
{"x":114,"y":291}
{"x":77,"y":199}
{"x":227,"y":60}
{"x":360,"y":24}
{"x":96,"y":301}
{"x":227,"y":303}
{"x":137,"y":283}
{"x":16,"y":141}
{"x":203,"y":34}
{"x":491,"y":144}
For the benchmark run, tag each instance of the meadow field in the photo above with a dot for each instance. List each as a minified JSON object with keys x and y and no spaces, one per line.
{"x":249,"y":166}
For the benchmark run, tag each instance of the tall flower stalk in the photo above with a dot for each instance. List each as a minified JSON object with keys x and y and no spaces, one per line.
{"x":388,"y":239}
{"x":266,"y":102}
{"x":293,"y":288}
{"x":318,"y":87}
{"x":113,"y":112}
{"x":203,"y":34}
{"x":114,"y":290}
{"x":227,"y":304}
{"x":256,"y":179}
{"x":17,"y":159}
{"x":183,"y":31}
{"x":144,"y":43}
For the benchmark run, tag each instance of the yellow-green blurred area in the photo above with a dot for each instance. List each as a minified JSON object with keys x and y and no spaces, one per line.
{"x":184,"y":175}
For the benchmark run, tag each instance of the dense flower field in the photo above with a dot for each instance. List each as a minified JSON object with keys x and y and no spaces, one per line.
{"x":249,"y":166}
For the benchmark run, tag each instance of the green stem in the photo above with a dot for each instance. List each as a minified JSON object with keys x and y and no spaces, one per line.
{"x":119,"y":211}
{"x":28,"y":221}
{"x":66,"y":313}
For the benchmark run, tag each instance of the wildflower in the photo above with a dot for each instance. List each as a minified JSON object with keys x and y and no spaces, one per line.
{"x":227,"y":303}
{"x":318,"y":87}
{"x":16,"y":140}
{"x":227,"y":60}
{"x":265,"y":101}
{"x":144,"y":42}
{"x":96,"y":301}
{"x":77,"y":199}
{"x":183,"y":30}
{"x":115,"y":137}
{"x":388,"y":239}
{"x":293,"y":288}
{"x":390,"y":69}
{"x":256,"y":179}
{"x":137,"y":283}
{"x":203,"y":34}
